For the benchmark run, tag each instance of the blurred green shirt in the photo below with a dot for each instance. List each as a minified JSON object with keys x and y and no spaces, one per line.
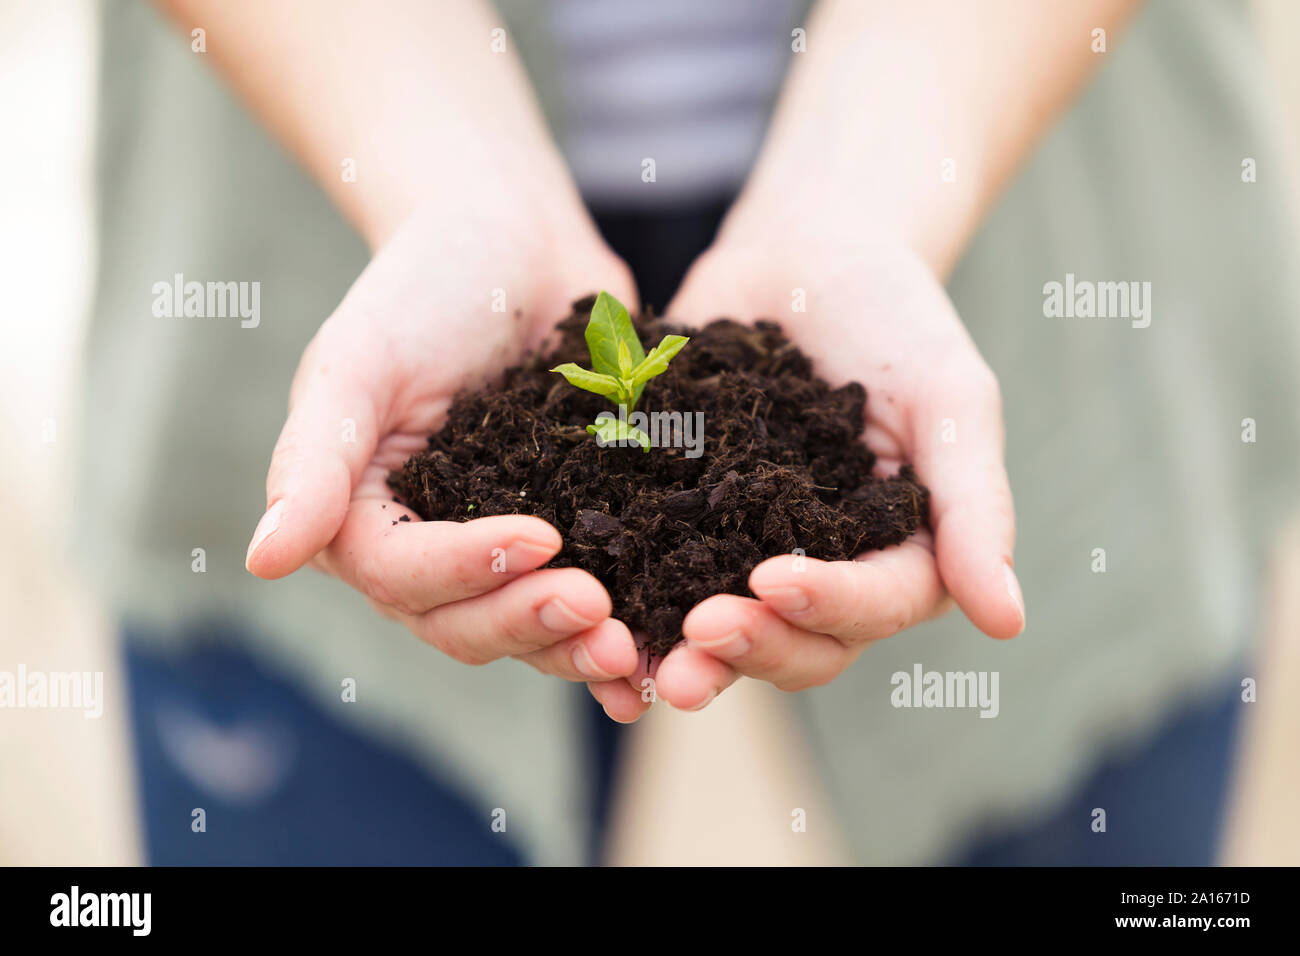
{"x":1124,"y":439}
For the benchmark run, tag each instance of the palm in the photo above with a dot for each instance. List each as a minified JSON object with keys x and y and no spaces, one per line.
{"x":425,"y":321}
{"x":434,"y":314}
{"x":878,"y":316}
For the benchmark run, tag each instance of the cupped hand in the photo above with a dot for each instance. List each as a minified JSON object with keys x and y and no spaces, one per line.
{"x":423,"y":321}
{"x":872,"y":312}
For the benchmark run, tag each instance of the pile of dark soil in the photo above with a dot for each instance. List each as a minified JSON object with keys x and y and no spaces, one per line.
{"x":783,"y":467}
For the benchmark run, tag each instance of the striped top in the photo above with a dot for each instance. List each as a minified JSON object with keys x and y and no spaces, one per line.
{"x":686,"y":85}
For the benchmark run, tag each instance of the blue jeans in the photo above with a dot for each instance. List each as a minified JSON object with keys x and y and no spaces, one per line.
{"x":279,"y":781}
{"x":1164,"y":803}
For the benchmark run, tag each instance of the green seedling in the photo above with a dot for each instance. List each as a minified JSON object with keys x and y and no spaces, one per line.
{"x":620,"y":367}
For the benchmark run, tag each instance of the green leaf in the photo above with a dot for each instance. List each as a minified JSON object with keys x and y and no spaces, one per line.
{"x":609,"y":429}
{"x":608,"y":326}
{"x":589,"y":381}
{"x":656,"y":363}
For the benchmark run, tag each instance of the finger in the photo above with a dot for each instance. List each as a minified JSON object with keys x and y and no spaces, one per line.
{"x":326,"y":442}
{"x":384,"y":610}
{"x":640,"y":694}
{"x":690,"y":678}
{"x":759,"y":643}
{"x":622,"y":702}
{"x":874,"y":597}
{"x":958,"y":442}
{"x":531,"y":612}
{"x":416,"y":566}
{"x":600,"y":653}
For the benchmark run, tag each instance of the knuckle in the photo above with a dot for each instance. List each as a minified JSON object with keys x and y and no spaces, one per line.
{"x":767,"y":659}
{"x":314,"y":360}
{"x":943,"y":608}
{"x":849,"y":610}
{"x":474,"y":657}
{"x":541,"y":662}
{"x":461,"y":575}
{"x":383,"y":610}
{"x":985,"y":387}
{"x":892,"y":605}
{"x":520,"y":628}
{"x":290,"y":451}
{"x":792,"y":685}
{"x":529,"y":641}
{"x":821,"y":667}
{"x":806,"y":681}
{"x":455,"y":646}
{"x":1004,"y":509}
{"x":375,"y":584}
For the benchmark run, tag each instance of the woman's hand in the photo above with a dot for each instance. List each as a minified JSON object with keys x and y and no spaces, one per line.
{"x":456,"y":185}
{"x":893,"y":134}
{"x":876,"y":314}
{"x":377,"y":379}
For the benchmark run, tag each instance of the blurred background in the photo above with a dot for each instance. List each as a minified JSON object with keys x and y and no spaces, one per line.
{"x":67,"y":789}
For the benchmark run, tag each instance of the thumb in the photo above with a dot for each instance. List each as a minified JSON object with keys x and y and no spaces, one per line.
{"x":694,"y":300}
{"x":718,"y":283}
{"x":322,"y":451}
{"x":958,"y":444}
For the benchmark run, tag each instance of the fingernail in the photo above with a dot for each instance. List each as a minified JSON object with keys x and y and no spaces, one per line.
{"x":705,"y":702}
{"x":587,"y":665}
{"x":269,"y":524}
{"x":734,"y":645}
{"x":1013,"y":588}
{"x":558,"y":616}
{"x":525,"y":556}
{"x":786,"y":600}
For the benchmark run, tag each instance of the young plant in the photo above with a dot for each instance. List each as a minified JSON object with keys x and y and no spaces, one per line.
{"x":619,"y":369}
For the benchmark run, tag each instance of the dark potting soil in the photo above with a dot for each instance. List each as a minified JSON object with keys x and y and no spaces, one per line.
{"x":783,"y":468}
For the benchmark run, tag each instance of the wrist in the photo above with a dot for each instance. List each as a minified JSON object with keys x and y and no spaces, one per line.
{"x":472,"y":194}
{"x":794,"y":243}
{"x":759,"y":270}
{"x":844,"y":212}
